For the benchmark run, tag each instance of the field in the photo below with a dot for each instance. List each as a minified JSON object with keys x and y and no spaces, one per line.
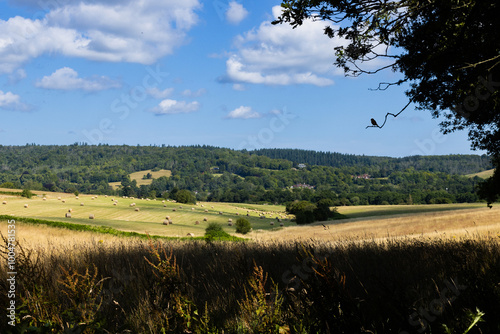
{"x":436,"y":265}
{"x":484,"y":174}
{"x":138,"y":176}
{"x":149,"y":219}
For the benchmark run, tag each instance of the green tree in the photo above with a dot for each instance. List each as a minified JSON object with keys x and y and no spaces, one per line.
{"x":27,"y":193}
{"x":303,"y":211}
{"x":448,"y":52}
{"x":185,"y":196}
{"x":243,"y":226}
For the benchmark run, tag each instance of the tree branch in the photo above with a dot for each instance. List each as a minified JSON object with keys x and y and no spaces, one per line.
{"x":385,"y":120}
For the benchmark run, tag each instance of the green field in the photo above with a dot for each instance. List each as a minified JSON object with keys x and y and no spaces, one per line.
{"x":149,"y":219}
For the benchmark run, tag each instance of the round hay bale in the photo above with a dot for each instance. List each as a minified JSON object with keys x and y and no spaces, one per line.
{"x":115,"y":203}
{"x":112,"y":200}
{"x":164,"y":205}
{"x":174,"y":209}
{"x":70,"y":210}
{"x":205,"y":219}
{"x":230,"y":224}
{"x":180,"y":206}
{"x":192,"y":209}
{"x":64,"y":201}
{"x":105,"y":196}
{"x":91,"y":216}
{"x":229,"y":220}
{"x":262,"y":217}
{"x":165,"y":222}
{"x":281,"y":224}
{"x":77,"y":197}
{"x":163,"y":201}
{"x":167,"y":217}
{"x":137,"y":209}
{"x":82,"y":204}
{"x":206,"y":210}
{"x":190,"y":234}
{"x":68,"y":215}
{"x":237,"y":214}
{"x":44,"y":199}
{"x":4,"y":202}
{"x":132,"y":204}
{"x":197,"y":222}
{"x":59,"y":198}
{"x":26,"y":206}
{"x":220,"y":213}
{"x":170,"y":221}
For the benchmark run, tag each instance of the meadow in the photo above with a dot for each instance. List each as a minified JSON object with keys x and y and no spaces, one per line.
{"x":384,"y":269}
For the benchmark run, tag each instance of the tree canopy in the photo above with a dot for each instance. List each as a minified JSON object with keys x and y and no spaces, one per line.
{"x":448,"y":52}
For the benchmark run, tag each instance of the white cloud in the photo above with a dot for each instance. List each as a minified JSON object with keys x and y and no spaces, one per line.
{"x":10,"y":101}
{"x":198,"y":93}
{"x":279,"y":55}
{"x":243,"y":113}
{"x":168,"y":107}
{"x":115,"y":31}
{"x":67,"y":79}
{"x":236,"y":13}
{"x":160,"y":94}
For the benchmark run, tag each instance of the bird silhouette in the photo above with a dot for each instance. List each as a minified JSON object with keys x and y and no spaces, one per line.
{"x":374,"y":122}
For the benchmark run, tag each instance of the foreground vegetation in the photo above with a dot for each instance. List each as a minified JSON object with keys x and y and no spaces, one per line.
{"x":129,"y":285}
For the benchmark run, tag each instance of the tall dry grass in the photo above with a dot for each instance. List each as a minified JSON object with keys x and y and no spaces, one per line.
{"x":133,"y":286}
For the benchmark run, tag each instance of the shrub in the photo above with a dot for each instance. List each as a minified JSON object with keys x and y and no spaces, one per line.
{"x":27,"y":193}
{"x":243,"y":226}
{"x":215,"y":231}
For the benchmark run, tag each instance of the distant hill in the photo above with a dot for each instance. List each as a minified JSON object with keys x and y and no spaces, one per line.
{"x":483,"y":175}
{"x":451,"y":164}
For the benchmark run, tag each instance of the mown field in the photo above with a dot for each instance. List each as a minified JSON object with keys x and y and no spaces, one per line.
{"x":149,"y":219}
{"x":138,"y":177}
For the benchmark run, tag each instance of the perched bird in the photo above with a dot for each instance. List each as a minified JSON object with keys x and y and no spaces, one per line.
{"x":374,"y":122}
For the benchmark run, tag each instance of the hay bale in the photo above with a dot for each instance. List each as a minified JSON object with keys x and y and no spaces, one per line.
{"x":180,"y":206}
{"x":81,"y":204}
{"x":64,"y":201}
{"x":105,"y":196}
{"x":68,"y":215}
{"x":77,"y":197}
{"x":190,"y":234}
{"x":164,"y":205}
{"x":197,"y":222}
{"x":192,"y":209}
{"x":262,"y":217}
{"x":237,"y":214}
{"x":229,"y":220}
{"x":137,"y":209}
{"x":115,"y":203}
{"x":132,"y":204}
{"x":281,"y":224}
{"x":229,"y":224}
{"x":205,"y":219}
{"x":271,"y":223}
{"x":167,"y":217}
{"x":174,"y":209}
{"x":70,"y":210}
{"x":91,"y":216}
{"x":44,"y":199}
{"x":4,"y":202}
{"x":165,"y":222}
{"x":170,"y":221}
{"x":206,"y":210}
{"x":220,"y":212}
{"x":26,"y":205}
{"x":59,"y":198}
{"x":163,"y":201}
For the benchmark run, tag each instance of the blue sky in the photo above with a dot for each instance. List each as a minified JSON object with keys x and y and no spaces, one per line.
{"x":193,"y":72}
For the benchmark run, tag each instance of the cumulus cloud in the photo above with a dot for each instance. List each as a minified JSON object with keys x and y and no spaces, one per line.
{"x":243,"y":113}
{"x":169,"y":107}
{"x":11,"y":101}
{"x":114,"y":31}
{"x":160,"y":94}
{"x":236,"y":13}
{"x":279,"y":55}
{"x":67,"y":79}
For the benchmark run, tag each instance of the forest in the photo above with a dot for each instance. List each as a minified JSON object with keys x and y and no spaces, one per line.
{"x":225,"y":175}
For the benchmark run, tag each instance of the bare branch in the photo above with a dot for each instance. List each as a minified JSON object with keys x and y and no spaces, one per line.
{"x":375,"y":125}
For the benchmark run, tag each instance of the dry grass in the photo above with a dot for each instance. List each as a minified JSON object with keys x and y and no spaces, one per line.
{"x":484,"y":174}
{"x":447,"y":224}
{"x":140,"y":181}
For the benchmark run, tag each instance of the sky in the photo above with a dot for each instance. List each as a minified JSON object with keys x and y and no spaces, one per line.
{"x":193,"y":72}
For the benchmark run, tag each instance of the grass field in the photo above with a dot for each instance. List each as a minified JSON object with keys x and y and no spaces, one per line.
{"x":149,"y":219}
{"x":484,"y":174}
{"x":138,"y":176}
